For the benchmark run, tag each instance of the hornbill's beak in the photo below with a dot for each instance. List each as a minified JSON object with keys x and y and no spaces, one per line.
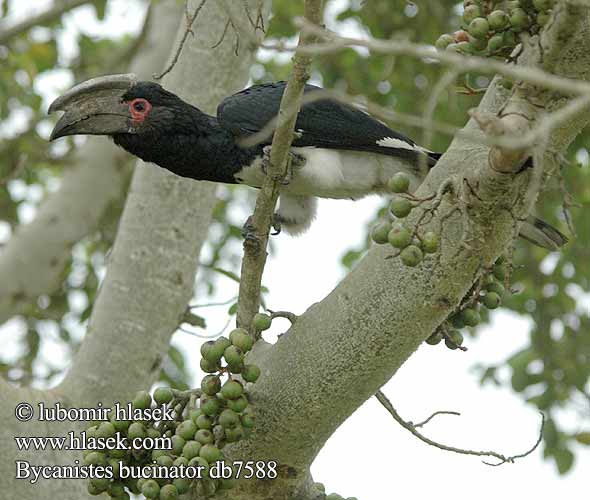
{"x":94,"y":107}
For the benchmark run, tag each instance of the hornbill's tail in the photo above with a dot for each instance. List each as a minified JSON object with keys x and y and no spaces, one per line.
{"x":542,"y":234}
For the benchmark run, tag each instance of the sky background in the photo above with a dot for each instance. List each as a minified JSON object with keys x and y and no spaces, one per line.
{"x":370,"y":456}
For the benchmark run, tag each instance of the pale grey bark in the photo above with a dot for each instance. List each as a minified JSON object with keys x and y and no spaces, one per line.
{"x":33,"y":261}
{"x":150,"y":272}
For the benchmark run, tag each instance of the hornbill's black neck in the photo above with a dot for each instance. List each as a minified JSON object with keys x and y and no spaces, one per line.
{"x":191,"y":144}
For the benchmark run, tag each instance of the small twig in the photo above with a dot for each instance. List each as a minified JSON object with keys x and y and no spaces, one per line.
{"x":237,"y":43}
{"x":214,"y":304}
{"x":241,"y":26}
{"x":412,"y":428}
{"x":220,"y":41}
{"x":260,"y":24}
{"x":257,"y":24}
{"x":446,"y":187}
{"x":449,"y":77}
{"x":467,"y":89}
{"x":248,"y":15}
{"x":436,"y":413}
{"x":189,"y":29}
{"x":181,"y":398}
{"x":187,"y":15}
{"x":283,"y":314}
{"x":568,"y":202}
{"x":448,"y":338}
{"x":212,"y":336}
{"x":193,"y":320}
{"x":220,"y":333}
{"x":195,"y":334}
{"x":186,"y":395}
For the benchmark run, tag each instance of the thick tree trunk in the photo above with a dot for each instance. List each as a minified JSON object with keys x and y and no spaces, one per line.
{"x":151,"y":268}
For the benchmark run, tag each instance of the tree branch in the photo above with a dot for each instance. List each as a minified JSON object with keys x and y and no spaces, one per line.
{"x":190,"y":20}
{"x":435,"y":414}
{"x":412,"y":428}
{"x":261,"y":221}
{"x":484,"y":65}
{"x":8,"y":31}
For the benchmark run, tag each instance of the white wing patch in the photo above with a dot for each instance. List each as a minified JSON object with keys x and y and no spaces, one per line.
{"x":392,"y":142}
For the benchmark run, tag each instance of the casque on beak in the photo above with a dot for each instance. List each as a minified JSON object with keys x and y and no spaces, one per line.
{"x":94,"y":107}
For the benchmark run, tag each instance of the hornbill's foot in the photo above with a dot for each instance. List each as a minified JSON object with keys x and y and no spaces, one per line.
{"x":249,"y":233}
{"x":251,"y":239}
{"x":277,"y":222}
{"x":295,"y":162}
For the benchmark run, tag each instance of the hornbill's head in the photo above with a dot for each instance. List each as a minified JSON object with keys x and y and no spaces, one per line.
{"x":115,"y":105}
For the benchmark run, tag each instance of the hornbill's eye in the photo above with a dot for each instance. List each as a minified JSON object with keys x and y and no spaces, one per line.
{"x":140,"y":109}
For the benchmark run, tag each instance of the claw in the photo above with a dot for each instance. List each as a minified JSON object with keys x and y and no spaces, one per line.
{"x":295,"y":161}
{"x":276,"y":224}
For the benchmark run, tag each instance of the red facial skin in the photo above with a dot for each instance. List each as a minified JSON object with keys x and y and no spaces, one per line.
{"x":139,"y":109}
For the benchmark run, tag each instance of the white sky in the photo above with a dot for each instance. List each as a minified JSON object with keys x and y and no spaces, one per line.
{"x":370,"y":456}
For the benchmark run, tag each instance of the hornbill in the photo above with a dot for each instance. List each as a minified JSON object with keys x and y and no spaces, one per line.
{"x":339,"y":151}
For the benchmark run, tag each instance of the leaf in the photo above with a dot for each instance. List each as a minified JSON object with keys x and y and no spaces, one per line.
{"x":489,"y":375}
{"x":229,"y":274}
{"x":86,"y":313}
{"x":551,"y":434}
{"x":176,"y":357}
{"x":521,"y":359}
{"x":351,"y":257}
{"x":564,"y":459}
{"x":583,"y":438}
{"x":100,"y":7}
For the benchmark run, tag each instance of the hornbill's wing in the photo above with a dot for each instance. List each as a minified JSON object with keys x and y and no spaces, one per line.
{"x":322,"y":123}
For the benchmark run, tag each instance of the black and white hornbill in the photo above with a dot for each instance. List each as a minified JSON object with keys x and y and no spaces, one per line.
{"x":340,"y":151}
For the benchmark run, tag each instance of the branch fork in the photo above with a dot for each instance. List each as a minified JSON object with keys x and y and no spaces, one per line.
{"x":504,"y":159}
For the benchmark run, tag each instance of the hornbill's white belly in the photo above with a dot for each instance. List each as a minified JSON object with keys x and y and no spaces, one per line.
{"x":329,"y":173}
{"x":333,"y":173}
